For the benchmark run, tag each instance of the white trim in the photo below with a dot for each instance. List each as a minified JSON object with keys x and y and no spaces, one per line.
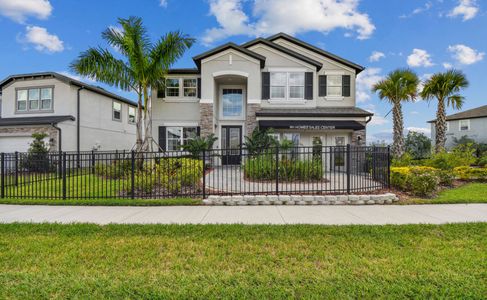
{"x":254,"y":101}
{"x":287,"y":87}
{"x":284,"y":101}
{"x":209,"y":101}
{"x":230,"y":51}
{"x":277,"y":52}
{"x":334,"y":98}
{"x":230,"y":72}
{"x":180,"y":124}
{"x":287,"y":70}
{"x":334,"y":72}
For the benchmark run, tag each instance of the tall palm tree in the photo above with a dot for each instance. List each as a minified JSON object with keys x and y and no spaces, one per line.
{"x":399,"y":86}
{"x":444,"y":87}
{"x":143,"y":67}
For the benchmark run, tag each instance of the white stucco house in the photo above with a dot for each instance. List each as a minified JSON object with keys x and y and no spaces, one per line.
{"x":280,"y":82}
{"x":471,"y":123}
{"x":76,"y":116}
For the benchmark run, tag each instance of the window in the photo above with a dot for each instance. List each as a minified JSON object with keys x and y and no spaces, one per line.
{"x":464,"y":125}
{"x":117,"y":111}
{"x":334,"y":85}
{"x":179,"y":136}
{"x":172,"y":87}
{"x":232,"y":102}
{"x":131,"y":118}
{"x":34,"y":99}
{"x":287,"y":85}
{"x":189,"y":87}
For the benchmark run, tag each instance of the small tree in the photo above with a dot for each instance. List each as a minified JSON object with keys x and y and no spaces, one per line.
{"x":418,"y":145}
{"x":37,"y":159}
{"x":260,"y":141}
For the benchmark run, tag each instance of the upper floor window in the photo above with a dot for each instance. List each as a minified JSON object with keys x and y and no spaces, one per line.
{"x":189,"y":87}
{"x":34,"y":99}
{"x":172,"y":87}
{"x":116,"y":111}
{"x":464,"y":125}
{"x":131,"y":115}
{"x":287,"y":85}
{"x":334,"y":85}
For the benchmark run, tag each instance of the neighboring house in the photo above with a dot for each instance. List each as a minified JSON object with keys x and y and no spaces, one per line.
{"x":303,"y":92}
{"x":75,"y":115}
{"x":471,"y":123}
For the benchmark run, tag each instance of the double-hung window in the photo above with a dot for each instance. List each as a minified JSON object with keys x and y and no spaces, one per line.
{"x":131,"y":118}
{"x":172,"y":87}
{"x":464,"y":125}
{"x":34,"y":99}
{"x":189,"y":87}
{"x":116,"y":111}
{"x":334,"y":85}
{"x":287,"y":85}
{"x":179,"y":136}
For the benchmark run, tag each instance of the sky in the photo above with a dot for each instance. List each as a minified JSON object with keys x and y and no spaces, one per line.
{"x":381,"y":35}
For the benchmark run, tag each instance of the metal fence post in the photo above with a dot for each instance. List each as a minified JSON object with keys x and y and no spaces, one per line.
{"x":389,"y":167}
{"x":16,"y":168}
{"x":93,"y":161}
{"x":132,"y":176}
{"x":349,"y":161}
{"x":64,"y":175}
{"x":204,"y":175}
{"x":2,"y":175}
{"x":277,"y":170}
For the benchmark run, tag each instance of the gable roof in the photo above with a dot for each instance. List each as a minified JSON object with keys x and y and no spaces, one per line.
{"x":67,"y":80}
{"x":479,"y":112}
{"x":48,"y":120}
{"x":285,"y":50}
{"x":197,"y":59}
{"x":358,"y":68}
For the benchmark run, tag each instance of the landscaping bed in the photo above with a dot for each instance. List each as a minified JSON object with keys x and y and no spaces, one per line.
{"x":215,"y":261}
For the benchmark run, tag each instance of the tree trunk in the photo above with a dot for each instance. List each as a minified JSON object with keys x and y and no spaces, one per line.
{"x":138,"y":124}
{"x":440,"y":125}
{"x":147,"y":122}
{"x":398,"y":128}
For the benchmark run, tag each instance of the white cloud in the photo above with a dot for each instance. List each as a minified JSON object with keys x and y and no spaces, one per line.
{"x":465,"y":55}
{"x":42,"y":40}
{"x":418,"y":10}
{"x":447,"y":65}
{"x":163,"y":3}
{"x":290,"y":16}
{"x":376,"y":56}
{"x":468,"y":9}
{"x":419,"y":58}
{"x":19,"y":10}
{"x":364,"y":82}
{"x":378,"y":120}
{"x":425,"y":130}
{"x":422,"y":80}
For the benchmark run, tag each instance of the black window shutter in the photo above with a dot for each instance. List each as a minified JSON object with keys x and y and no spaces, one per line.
{"x":308,"y":85}
{"x":161,"y":93}
{"x":162,"y":137}
{"x":322,"y":85}
{"x":199,"y":88}
{"x":346,"y":85}
{"x":198,"y":131}
{"x":266,"y":85}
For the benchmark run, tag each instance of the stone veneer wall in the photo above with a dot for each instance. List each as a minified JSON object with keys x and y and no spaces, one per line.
{"x":27,"y":131}
{"x":358,"y":133}
{"x":251,"y":120}
{"x":206,"y":119}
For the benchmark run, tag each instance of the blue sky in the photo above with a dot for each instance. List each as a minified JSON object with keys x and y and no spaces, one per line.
{"x":428,"y":36}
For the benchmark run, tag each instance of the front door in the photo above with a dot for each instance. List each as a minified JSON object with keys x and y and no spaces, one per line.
{"x":338,"y":156}
{"x":231,"y":145}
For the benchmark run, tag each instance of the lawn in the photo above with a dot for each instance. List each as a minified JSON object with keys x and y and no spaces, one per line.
{"x":468,"y":193}
{"x":237,"y":261}
{"x":104,"y":202}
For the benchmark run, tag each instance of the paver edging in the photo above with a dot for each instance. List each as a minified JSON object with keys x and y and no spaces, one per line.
{"x":379,"y":199}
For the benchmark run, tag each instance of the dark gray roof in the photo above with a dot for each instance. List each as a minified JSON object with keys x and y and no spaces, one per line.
{"x":479,"y":112}
{"x":314,"y":112}
{"x":34,"y":120}
{"x":358,"y":68}
{"x":197,"y":59}
{"x":285,"y":50}
{"x":184,"y":71}
{"x":67,"y":80}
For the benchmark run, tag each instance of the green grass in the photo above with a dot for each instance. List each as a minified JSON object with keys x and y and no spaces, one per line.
{"x":468,"y":193}
{"x":103,"y":202}
{"x":237,"y":261}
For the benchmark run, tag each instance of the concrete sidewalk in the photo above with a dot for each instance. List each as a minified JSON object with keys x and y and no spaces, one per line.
{"x":325,"y":215}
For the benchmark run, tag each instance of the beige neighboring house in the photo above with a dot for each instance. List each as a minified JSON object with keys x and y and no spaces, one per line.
{"x":75,"y":115}
{"x":304,"y":93}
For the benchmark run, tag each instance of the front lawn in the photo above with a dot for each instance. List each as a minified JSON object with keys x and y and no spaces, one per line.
{"x":468,"y":193}
{"x":237,"y":261}
{"x":104,"y":202}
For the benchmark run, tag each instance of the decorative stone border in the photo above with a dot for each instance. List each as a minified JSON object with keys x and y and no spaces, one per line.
{"x":387,"y":198}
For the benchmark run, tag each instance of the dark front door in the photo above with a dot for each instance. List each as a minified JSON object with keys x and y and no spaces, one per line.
{"x":231,"y":145}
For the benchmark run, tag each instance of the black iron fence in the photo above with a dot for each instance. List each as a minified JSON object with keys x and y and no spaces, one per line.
{"x":129,"y":174}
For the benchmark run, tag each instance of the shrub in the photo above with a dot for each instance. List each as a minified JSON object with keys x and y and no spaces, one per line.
{"x":113,"y":170}
{"x":405,"y":160}
{"x":482,"y":160}
{"x":37,"y":158}
{"x":260,"y":141}
{"x":470,"y":173}
{"x":418,"y":145}
{"x":263,"y":167}
{"x":461,"y":155}
{"x":197,"y":145}
{"x":420,"y":181}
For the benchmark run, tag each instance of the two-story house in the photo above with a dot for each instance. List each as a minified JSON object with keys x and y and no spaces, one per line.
{"x":471,"y":123}
{"x":75,"y":115}
{"x":304,"y":93}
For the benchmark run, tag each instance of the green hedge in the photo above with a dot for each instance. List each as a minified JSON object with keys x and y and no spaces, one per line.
{"x":420,"y":181}
{"x":263,"y":167}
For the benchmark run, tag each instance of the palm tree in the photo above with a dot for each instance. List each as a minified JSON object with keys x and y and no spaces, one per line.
{"x":399,"y":86}
{"x":143,"y":67}
{"x":444,"y":87}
